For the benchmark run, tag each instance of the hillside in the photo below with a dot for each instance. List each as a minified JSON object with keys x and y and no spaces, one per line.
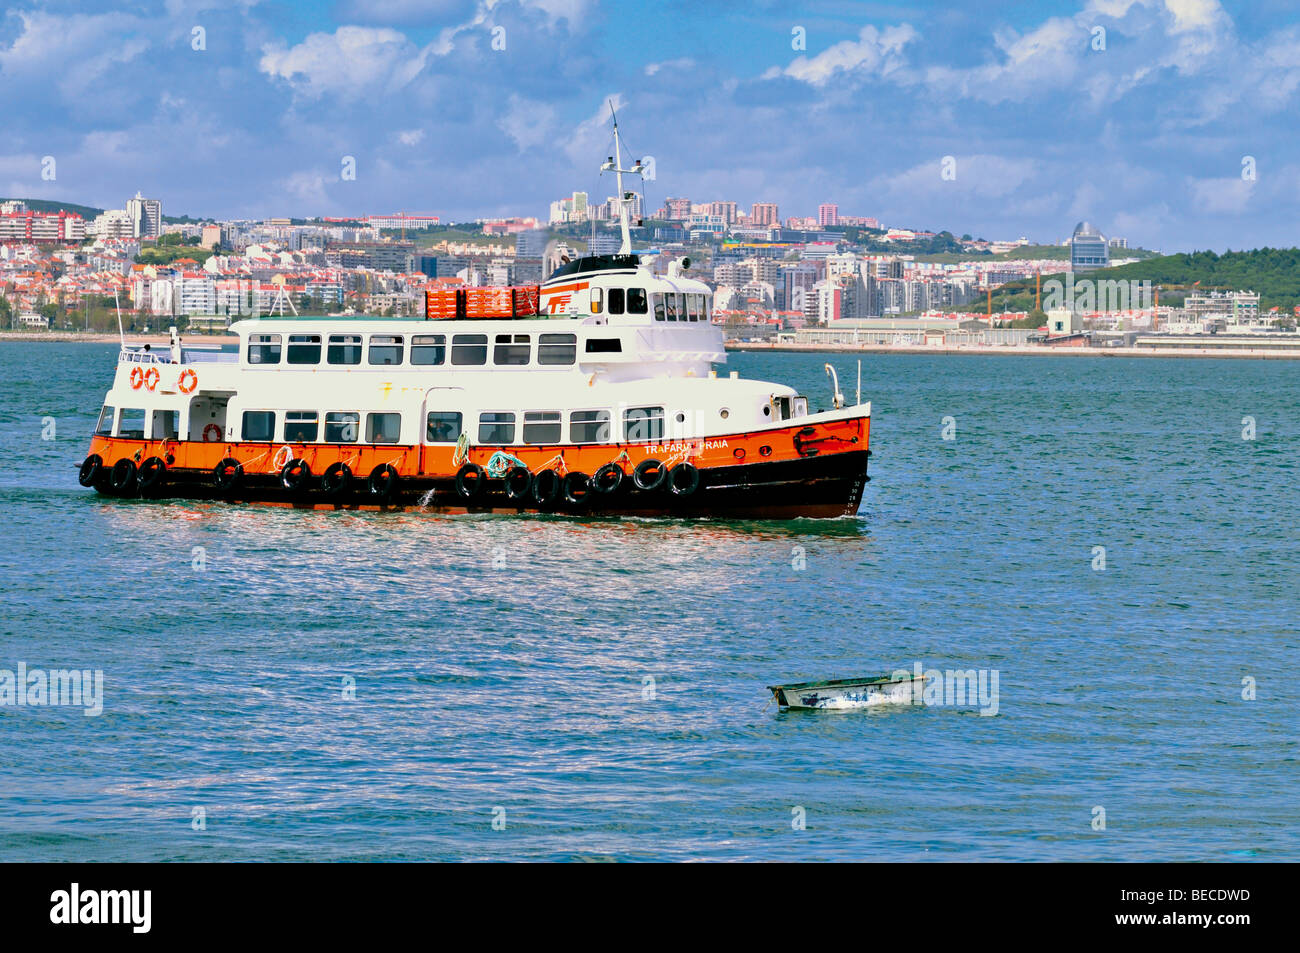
{"x":1272,"y":272}
{"x":49,"y":205}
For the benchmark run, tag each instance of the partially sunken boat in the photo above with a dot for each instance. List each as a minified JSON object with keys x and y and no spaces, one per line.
{"x":593,"y":392}
{"x":844,"y":693}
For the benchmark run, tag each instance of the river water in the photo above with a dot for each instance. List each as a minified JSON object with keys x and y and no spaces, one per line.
{"x":1098,"y":533}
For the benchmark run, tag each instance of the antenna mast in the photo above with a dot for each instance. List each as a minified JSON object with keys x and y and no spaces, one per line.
{"x":615,"y":164}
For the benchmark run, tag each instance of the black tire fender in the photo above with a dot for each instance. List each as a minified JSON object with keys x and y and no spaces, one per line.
{"x":649,"y":475}
{"x":608,"y":480}
{"x":92,"y":468}
{"x":470,"y":481}
{"x":684,"y":479}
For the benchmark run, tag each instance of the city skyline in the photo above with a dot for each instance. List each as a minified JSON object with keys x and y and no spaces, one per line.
{"x":934,"y":118}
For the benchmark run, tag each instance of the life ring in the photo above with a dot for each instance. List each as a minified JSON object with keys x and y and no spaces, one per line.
{"x":295,"y":474}
{"x":92,"y":468}
{"x":227,"y":474}
{"x":187,"y":381}
{"x":211,"y":433}
{"x":577,"y":488}
{"x":153,"y":474}
{"x":608,"y":479}
{"x":151,"y":378}
{"x":382,"y":481}
{"x":137,"y":377}
{"x":336,"y":479}
{"x":122,"y":477}
{"x":519,"y":480}
{"x":684,"y":479}
{"x":649,"y":475}
{"x":470,"y":480}
{"x":546,"y":487}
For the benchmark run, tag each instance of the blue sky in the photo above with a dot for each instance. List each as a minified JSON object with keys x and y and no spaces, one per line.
{"x":1146,"y":134}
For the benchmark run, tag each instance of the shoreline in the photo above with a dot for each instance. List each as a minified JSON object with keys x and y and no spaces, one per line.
{"x":1010,"y":350}
{"x":105,"y":337}
{"x":1018,"y":350}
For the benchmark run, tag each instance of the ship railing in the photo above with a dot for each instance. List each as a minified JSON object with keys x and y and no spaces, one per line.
{"x":140,"y":356}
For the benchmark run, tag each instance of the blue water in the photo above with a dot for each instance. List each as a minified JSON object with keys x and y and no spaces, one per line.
{"x":519,"y":692}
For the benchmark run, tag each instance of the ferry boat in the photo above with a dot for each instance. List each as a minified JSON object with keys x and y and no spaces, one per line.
{"x":595,"y":392}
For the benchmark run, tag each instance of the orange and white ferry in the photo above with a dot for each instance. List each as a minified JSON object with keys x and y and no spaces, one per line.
{"x":593,"y":392}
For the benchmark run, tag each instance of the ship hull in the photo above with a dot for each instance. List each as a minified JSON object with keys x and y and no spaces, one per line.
{"x":783,"y":474}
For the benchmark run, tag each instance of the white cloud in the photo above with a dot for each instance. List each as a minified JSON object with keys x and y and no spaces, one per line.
{"x":988,"y":176}
{"x":349,"y":62}
{"x":681,"y":63}
{"x":530,"y":124}
{"x":874,"y":51}
{"x":1219,"y":196}
{"x":587,"y":140}
{"x":410,"y":137}
{"x":72,"y":51}
{"x":308,"y":187}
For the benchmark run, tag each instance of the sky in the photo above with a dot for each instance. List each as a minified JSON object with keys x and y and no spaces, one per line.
{"x":1171,"y":123}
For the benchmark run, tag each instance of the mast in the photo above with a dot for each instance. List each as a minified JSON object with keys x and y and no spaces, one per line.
{"x":615,"y":164}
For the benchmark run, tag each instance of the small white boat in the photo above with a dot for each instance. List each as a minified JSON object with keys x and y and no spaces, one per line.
{"x":841,"y":694}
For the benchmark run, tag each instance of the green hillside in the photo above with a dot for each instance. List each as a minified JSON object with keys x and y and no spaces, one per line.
{"x":49,"y":205}
{"x":1272,"y":272}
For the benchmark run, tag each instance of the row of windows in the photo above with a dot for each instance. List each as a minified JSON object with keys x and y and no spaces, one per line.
{"x":668,"y":306}
{"x":346,"y":426}
{"x":423,"y":349}
{"x":494,"y":427}
{"x":304,"y":426}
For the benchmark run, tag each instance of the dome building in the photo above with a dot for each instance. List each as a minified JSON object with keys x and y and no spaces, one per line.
{"x":1088,"y":248}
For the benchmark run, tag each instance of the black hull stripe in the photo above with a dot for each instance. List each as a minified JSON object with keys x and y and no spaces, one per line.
{"x":827,"y":485}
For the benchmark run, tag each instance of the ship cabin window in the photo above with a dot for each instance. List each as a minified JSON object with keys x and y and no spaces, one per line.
{"x":542,"y":426}
{"x":589,"y":426}
{"x":469,"y":349}
{"x":636,"y":301}
{"x":165,"y":425}
{"x":344,"y":349}
{"x":303,"y":349}
{"x":616,"y":299}
{"x":131,"y":424}
{"x":597,"y":300}
{"x":512,"y":349}
{"x":443,"y":426}
{"x":342,"y":427}
{"x":557,"y":349}
{"x":429,"y":349}
{"x":695,"y":303}
{"x":660,"y":311}
{"x":385,"y":349}
{"x":800,"y":407}
{"x":644,"y":423}
{"x":672,"y":306}
{"x":496,"y":428}
{"x":259,"y":425}
{"x":782,"y":405}
{"x":105,"y":426}
{"x":604,"y":345}
{"x":301,"y":426}
{"x":264,"y":349}
{"x":383,"y":428}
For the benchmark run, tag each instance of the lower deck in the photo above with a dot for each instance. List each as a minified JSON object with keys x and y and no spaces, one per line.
{"x":816,"y":470}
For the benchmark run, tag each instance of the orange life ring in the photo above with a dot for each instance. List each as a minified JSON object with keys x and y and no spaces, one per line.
{"x":137,"y":378}
{"x":187,"y":381}
{"x":151,"y":378}
{"x":214,"y":430}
